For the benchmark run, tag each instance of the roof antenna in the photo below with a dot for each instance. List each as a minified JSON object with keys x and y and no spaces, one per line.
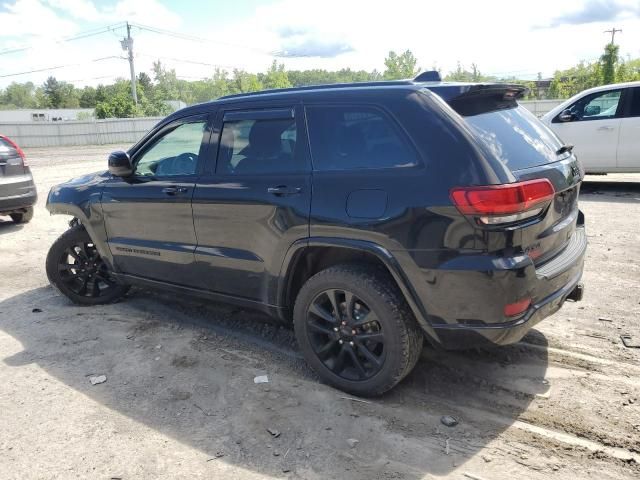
{"x":428,"y":76}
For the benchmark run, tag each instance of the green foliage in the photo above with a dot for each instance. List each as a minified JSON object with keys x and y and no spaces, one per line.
{"x":19,"y":95}
{"x":608,"y":61}
{"x":461,"y":74}
{"x":609,"y":69}
{"x":400,"y":66}
{"x":276,"y":77}
{"x":59,"y":94}
{"x":566,"y":83}
{"x":163,"y":84}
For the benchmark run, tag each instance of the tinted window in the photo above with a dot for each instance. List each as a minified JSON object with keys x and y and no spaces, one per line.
{"x":175,"y":153}
{"x":344,"y":138}
{"x":634,"y":110}
{"x":6,"y":147}
{"x":258,"y":146}
{"x":598,"y":106}
{"x":515,"y":137}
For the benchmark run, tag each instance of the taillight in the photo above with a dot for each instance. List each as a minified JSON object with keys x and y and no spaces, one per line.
{"x":19,"y":151}
{"x":498,"y":204}
{"x":513,"y":309}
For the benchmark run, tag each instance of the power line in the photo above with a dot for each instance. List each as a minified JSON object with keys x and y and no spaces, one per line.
{"x":80,"y":36}
{"x":184,"y":60}
{"x":194,"y":38}
{"x":58,"y":67}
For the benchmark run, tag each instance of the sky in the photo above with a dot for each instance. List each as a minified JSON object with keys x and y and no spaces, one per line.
{"x":503,"y":38}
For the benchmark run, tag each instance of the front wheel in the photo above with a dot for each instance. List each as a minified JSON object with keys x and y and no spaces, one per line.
{"x":356,"y":330}
{"x":76,"y":270}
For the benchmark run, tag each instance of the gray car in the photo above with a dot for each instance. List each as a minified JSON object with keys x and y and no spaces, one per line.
{"x":17,"y":190}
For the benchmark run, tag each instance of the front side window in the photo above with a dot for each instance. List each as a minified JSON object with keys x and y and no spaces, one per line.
{"x":174,"y":154}
{"x":249,"y":146}
{"x":355,"y":137}
{"x":598,"y":106}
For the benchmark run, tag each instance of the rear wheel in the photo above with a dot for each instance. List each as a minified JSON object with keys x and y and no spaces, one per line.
{"x":22,"y":217}
{"x":356,"y":330}
{"x":76,"y":270}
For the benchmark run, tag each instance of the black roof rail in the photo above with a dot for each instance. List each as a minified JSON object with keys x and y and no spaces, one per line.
{"x":324,"y":86}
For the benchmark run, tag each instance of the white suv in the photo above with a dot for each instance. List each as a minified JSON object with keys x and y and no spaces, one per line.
{"x":603,"y":124}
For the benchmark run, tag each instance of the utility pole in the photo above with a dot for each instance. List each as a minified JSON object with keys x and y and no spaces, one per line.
{"x":613,"y":32}
{"x":127,"y":44}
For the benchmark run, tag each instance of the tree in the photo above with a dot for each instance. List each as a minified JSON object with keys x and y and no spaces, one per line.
{"x":166,"y":86}
{"x":59,"y":94}
{"x":88,"y":97}
{"x":144,"y":82}
{"x":120,"y":105}
{"x":244,"y":82}
{"x":400,"y":66}
{"x":52,"y":93}
{"x":609,"y":60}
{"x":19,"y":95}
{"x":276,"y":77}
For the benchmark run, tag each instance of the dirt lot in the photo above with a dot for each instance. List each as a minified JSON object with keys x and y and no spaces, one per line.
{"x":180,"y":400}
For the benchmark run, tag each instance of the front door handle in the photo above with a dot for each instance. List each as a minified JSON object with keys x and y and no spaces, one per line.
{"x":605,"y":128}
{"x":283,"y":190}
{"x":175,"y":190}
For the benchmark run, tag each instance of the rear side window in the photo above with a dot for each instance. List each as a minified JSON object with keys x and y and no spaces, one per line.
{"x":634,"y":110}
{"x":355,"y":137}
{"x":249,"y":146}
{"x":515,"y":137}
{"x":6,"y":147}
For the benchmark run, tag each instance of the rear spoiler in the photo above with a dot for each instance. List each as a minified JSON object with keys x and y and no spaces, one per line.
{"x":474,"y":99}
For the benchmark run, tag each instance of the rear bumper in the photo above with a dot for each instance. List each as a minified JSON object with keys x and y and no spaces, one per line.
{"x":17,"y":193}
{"x":470,"y":313}
{"x":506,"y":333}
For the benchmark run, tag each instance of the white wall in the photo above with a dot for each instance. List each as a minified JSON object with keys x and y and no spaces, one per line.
{"x":99,"y":132}
{"x":25,"y":114}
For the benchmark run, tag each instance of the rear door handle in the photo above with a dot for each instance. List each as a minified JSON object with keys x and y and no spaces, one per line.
{"x":605,"y":128}
{"x":175,"y":190}
{"x":283,"y":190}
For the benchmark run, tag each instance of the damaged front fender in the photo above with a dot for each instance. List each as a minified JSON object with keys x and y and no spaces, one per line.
{"x":81,"y":198}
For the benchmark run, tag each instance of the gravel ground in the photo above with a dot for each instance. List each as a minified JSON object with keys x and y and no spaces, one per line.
{"x":180,"y":401}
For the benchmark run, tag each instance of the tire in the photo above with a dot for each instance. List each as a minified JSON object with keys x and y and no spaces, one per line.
{"x":76,"y":270}
{"x":22,"y":217}
{"x":366,"y":289}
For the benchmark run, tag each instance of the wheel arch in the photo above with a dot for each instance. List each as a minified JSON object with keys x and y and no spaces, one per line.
{"x":306,"y":257}
{"x":85,"y":207}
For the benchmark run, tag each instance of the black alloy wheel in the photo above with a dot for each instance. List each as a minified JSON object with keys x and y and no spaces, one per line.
{"x":75,"y":269}
{"x":346,"y":335}
{"x":84,"y":272}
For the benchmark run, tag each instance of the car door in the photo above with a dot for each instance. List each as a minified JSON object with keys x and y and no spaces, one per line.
{"x":148,"y":217}
{"x":628,"y":158}
{"x":593,"y":129}
{"x":255,"y":204}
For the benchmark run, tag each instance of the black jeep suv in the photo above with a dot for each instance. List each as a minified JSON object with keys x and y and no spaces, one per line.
{"x":371,"y":216}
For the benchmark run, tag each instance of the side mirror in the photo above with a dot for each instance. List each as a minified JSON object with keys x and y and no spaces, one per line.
{"x":566,"y":116}
{"x":120,"y":164}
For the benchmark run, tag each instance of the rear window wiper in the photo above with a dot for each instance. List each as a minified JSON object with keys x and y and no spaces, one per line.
{"x":564,"y":149}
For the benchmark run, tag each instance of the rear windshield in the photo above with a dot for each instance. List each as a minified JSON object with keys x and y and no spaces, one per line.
{"x":515,"y":137}
{"x":6,"y":148}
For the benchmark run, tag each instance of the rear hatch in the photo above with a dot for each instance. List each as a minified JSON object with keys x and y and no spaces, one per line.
{"x":11,"y":162}
{"x":533,"y":155}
